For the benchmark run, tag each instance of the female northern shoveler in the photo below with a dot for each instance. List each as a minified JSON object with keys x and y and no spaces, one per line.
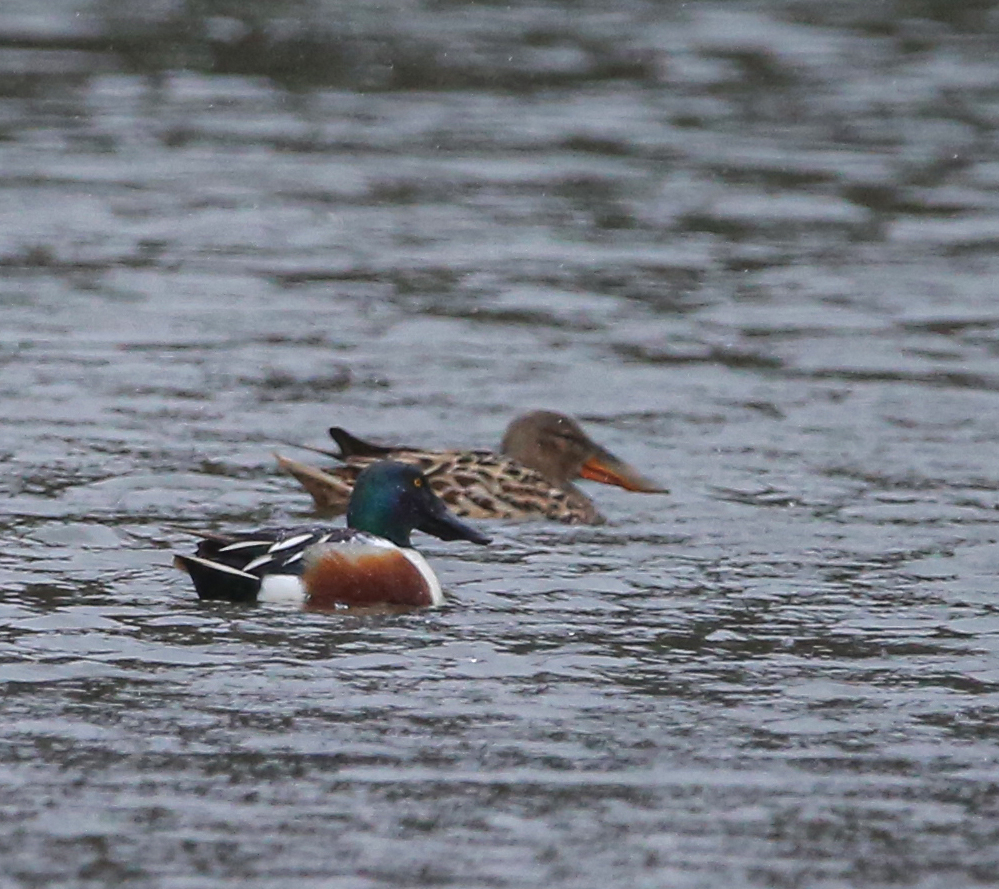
{"x":542,"y":453}
{"x":370,"y":562}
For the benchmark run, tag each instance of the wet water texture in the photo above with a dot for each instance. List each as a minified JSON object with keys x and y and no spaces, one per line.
{"x":751,"y":246}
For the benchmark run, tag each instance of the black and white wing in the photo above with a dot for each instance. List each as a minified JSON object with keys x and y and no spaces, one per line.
{"x":232,"y":566}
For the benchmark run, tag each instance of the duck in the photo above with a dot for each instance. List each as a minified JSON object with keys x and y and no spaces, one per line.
{"x":371,"y":562}
{"x":531,"y":477}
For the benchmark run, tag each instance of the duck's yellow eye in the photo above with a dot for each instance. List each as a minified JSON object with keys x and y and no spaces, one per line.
{"x":417,"y":482}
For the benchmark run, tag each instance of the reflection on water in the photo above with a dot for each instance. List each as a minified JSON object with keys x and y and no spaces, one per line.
{"x":751,"y":247}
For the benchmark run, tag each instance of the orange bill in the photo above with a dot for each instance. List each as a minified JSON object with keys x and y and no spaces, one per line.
{"x":607,"y":469}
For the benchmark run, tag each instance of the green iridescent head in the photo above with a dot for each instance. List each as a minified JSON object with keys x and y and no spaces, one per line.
{"x":391,"y":499}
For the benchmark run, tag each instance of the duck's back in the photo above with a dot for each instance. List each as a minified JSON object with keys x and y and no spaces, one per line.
{"x":320,"y":567}
{"x":479,"y":484}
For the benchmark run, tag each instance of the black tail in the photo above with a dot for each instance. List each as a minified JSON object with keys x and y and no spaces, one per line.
{"x":351,"y":446}
{"x":213,"y":580}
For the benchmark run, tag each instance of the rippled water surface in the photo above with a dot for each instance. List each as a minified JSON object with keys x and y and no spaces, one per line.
{"x":752,"y":246}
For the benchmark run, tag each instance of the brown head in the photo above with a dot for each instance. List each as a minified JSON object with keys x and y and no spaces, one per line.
{"x":554,"y":445}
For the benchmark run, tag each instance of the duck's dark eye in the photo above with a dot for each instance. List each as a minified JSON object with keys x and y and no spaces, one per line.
{"x":417,"y":482}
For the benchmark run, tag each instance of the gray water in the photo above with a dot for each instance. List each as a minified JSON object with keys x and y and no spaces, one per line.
{"x":752,"y":246}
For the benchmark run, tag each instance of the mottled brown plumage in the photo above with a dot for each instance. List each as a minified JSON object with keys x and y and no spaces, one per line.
{"x":543,"y":452}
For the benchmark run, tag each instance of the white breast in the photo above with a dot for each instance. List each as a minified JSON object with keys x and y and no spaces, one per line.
{"x":436,"y":594}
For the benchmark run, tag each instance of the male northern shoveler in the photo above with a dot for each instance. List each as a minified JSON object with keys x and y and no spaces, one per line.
{"x":370,"y":562}
{"x":542,"y":453}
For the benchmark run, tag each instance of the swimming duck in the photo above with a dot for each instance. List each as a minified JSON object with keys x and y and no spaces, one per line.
{"x":370,"y":562}
{"x":541,"y":454}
